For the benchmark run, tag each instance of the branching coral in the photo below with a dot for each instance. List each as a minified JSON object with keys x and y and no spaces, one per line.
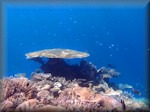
{"x":17,"y":85}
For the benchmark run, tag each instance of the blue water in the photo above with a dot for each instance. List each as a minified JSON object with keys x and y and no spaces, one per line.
{"x":115,"y":35}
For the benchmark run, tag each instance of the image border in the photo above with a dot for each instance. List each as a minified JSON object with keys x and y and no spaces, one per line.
{"x":2,"y":38}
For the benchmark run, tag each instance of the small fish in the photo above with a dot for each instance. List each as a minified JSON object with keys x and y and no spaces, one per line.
{"x":38,"y":70}
{"x":136,"y":91}
{"x":90,"y":81}
{"x":82,"y":80}
{"x":111,"y":65}
{"x":19,"y":75}
{"x":124,"y":86}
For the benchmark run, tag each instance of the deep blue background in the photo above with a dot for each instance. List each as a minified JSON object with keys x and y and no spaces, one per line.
{"x":109,"y":34}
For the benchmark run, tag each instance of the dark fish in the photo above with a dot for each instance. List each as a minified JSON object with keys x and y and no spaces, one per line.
{"x":136,"y":91}
{"x":111,"y":65}
{"x":90,"y":81}
{"x":38,"y":71}
{"x":82,"y":80}
{"x":123,"y":104}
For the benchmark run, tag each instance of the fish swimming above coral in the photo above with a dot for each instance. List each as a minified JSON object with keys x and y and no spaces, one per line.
{"x":20,"y":75}
{"x":111,"y":65}
{"x":126,"y":86}
{"x":136,"y":91}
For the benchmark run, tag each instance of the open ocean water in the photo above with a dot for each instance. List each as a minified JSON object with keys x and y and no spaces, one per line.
{"x":110,"y":34}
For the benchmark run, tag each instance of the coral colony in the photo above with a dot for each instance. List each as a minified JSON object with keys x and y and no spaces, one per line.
{"x":60,"y":87}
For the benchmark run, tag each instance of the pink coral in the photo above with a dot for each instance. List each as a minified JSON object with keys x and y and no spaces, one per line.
{"x":57,"y":94}
{"x":6,"y":106}
{"x":27,"y":106}
{"x":17,"y":85}
{"x":17,"y":99}
{"x":84,"y":99}
{"x":43,"y":96}
{"x":51,"y":108}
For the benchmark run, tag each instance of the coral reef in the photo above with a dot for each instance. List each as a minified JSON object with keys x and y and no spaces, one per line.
{"x":10,"y":86}
{"x":83,"y":99}
{"x":28,"y":106}
{"x":60,"y":87}
{"x":47,"y":93}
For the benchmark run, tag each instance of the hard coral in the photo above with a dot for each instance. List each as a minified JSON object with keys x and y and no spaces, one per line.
{"x":17,"y":85}
{"x":27,"y":106}
{"x":51,"y":108}
{"x":6,"y":106}
{"x":17,"y":99}
{"x":40,"y":76}
{"x":56,"y":94}
{"x":57,"y":53}
{"x":43,"y":95}
{"x":83,"y":99}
